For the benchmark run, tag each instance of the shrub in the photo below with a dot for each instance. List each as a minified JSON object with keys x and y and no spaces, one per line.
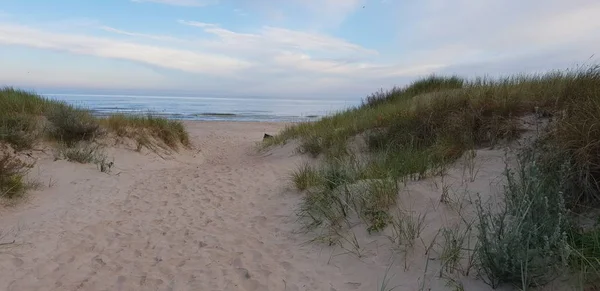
{"x":71,"y":124}
{"x":18,"y":129}
{"x":12,"y":173}
{"x":81,"y":152}
{"x":525,"y":241}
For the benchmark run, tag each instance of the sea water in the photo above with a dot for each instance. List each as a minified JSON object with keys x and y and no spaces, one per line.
{"x":208,"y":108}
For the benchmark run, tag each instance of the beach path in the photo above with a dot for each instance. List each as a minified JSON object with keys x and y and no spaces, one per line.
{"x":219,"y":217}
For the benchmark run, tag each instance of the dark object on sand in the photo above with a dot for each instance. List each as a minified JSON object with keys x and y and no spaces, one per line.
{"x":267,"y":136}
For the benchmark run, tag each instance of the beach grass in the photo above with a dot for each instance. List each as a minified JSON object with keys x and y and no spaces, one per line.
{"x":413,"y":132}
{"x":27,"y":118}
{"x":12,"y":176}
{"x":170,"y":132}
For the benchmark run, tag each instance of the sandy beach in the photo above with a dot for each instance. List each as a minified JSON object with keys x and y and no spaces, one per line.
{"x":219,"y":216}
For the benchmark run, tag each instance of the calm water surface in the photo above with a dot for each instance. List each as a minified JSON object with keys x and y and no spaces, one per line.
{"x":208,"y":108}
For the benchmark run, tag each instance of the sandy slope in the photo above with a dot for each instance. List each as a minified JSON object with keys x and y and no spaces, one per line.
{"x":216,"y":218}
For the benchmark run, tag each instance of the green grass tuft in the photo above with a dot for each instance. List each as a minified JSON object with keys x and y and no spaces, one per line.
{"x":170,"y":132}
{"x":12,"y":176}
{"x":305,"y":177}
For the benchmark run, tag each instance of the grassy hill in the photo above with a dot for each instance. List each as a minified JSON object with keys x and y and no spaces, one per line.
{"x":27,"y":119}
{"x":416,"y":131}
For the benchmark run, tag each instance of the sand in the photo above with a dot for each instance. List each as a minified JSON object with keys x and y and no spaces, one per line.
{"x":217,"y":217}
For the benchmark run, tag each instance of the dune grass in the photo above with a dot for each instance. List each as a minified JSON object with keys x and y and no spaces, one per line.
{"x":12,"y":176}
{"x":170,"y":132}
{"x":413,"y":132}
{"x":27,"y":118}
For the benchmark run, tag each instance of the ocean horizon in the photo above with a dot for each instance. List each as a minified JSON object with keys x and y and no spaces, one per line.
{"x":206,"y":108}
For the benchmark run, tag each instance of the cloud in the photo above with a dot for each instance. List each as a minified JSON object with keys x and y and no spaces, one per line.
{"x":504,"y":27}
{"x":282,"y":39}
{"x":172,"y":58}
{"x":197,"y":23}
{"x":141,"y":35}
{"x":464,"y":36}
{"x":192,"y":3}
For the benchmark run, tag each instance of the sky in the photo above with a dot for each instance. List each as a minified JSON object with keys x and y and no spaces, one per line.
{"x":301,"y":48}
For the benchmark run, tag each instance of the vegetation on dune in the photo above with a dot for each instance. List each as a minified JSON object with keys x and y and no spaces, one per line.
{"x":26,"y":118}
{"x":170,"y":132}
{"x":415,"y":131}
{"x":12,"y":172}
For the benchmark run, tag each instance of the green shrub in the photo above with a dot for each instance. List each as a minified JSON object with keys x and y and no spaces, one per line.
{"x":12,"y":176}
{"x":19,"y":130}
{"x":81,"y":152}
{"x":71,"y":124}
{"x":525,"y":241}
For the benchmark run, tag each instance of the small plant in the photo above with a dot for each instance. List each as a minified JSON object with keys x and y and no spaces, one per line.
{"x":311,"y":145}
{"x":585,"y":258}
{"x":524,"y":243}
{"x":406,"y":228}
{"x":19,"y":130}
{"x":378,"y":220}
{"x":12,"y":176}
{"x":82,"y":152}
{"x":470,"y":168}
{"x":386,"y":280}
{"x":305,"y":177}
{"x":456,"y":247}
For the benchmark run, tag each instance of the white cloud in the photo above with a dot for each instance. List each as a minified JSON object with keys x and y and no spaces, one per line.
{"x":184,"y":60}
{"x":504,"y":27}
{"x":463,"y":36}
{"x":196,"y":3}
{"x":282,"y":39}
{"x":141,"y":35}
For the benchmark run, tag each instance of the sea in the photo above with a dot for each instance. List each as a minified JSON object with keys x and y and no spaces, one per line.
{"x":208,"y":108}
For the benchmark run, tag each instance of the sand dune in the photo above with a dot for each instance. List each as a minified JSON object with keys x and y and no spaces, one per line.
{"x":218,"y":217}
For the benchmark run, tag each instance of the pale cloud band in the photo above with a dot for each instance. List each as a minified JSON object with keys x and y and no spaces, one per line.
{"x":465,"y":37}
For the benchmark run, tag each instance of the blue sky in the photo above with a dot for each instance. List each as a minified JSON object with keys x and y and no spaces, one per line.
{"x":311,"y":48}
